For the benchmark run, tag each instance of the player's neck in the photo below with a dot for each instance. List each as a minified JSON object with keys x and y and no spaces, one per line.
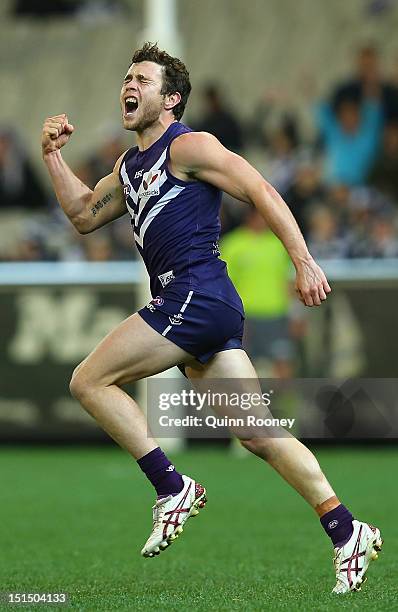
{"x":151,"y":134}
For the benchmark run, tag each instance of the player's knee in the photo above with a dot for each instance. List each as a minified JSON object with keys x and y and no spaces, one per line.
{"x":79,"y":385}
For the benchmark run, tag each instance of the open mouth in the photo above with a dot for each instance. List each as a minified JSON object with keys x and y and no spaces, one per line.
{"x":130,"y":105}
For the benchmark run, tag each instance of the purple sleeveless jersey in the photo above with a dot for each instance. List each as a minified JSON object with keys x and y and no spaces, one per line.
{"x":176,"y":224}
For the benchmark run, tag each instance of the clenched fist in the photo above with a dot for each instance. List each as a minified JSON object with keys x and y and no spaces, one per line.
{"x":56,"y":133}
{"x":312,"y":286}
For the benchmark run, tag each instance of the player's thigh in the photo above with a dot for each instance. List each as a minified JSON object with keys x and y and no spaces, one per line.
{"x":133,"y":350}
{"x":228,"y":372}
{"x":230,"y":375}
{"x":233,"y":363}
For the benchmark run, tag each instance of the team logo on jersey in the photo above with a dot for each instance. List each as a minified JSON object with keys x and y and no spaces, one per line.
{"x":150,"y":184}
{"x":138,"y":174}
{"x":176,"y":319}
{"x":166,"y":278}
{"x":158,"y":301}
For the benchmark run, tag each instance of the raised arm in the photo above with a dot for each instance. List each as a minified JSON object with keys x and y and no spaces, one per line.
{"x":86,"y":209}
{"x":201,"y":156}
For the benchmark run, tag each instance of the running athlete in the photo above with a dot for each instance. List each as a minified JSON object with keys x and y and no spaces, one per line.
{"x":170,"y":185}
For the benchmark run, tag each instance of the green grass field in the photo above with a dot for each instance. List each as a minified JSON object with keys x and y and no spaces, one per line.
{"x":74,"y":520}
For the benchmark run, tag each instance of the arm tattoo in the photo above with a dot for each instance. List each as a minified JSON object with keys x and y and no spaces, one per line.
{"x":101,"y":203}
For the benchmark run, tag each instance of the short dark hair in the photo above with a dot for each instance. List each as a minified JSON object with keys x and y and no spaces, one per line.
{"x":175,"y":74}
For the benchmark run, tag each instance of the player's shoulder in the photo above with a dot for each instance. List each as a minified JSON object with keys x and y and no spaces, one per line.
{"x":194,"y":139}
{"x":192,"y":146}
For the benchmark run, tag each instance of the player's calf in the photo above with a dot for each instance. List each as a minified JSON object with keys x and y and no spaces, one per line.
{"x":265,"y":448}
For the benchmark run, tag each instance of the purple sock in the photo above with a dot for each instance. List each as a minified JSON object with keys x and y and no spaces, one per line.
{"x":161,"y":472}
{"x":338,"y":525}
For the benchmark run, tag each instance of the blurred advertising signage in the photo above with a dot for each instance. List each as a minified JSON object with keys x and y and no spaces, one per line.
{"x":45,"y":333}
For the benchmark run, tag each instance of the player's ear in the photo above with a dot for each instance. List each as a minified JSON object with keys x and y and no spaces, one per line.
{"x":171,"y":100}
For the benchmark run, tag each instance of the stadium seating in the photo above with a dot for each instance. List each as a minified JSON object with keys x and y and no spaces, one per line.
{"x":256,"y":47}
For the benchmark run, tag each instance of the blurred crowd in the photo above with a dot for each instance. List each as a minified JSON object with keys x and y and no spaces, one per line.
{"x":342,"y":186}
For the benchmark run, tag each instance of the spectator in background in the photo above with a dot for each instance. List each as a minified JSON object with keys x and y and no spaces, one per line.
{"x":351,"y":134}
{"x":324,"y":241}
{"x":20,"y":186}
{"x":305,"y":191}
{"x":281,"y":162}
{"x":383,"y":240}
{"x":372,"y":224}
{"x":259,"y":267}
{"x":368,"y":83}
{"x":98,"y":247}
{"x":273,"y":129}
{"x":273,"y":113}
{"x":360,"y":206}
{"x":384,"y":174}
{"x":102,"y":162}
{"x":219,"y":120}
{"x":338,"y":199}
